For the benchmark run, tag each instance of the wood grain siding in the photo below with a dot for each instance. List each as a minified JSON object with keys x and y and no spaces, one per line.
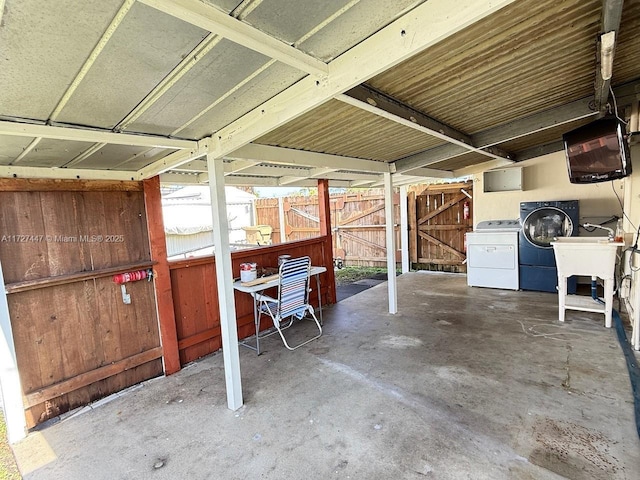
{"x":76,"y":341}
{"x":194,"y":287}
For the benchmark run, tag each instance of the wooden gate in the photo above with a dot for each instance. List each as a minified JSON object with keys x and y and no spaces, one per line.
{"x":75,"y":338}
{"x":357,"y":221}
{"x":439,"y":217}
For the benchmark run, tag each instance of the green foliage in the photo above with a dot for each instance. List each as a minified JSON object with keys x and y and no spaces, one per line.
{"x":349,"y":275}
{"x":8,"y":467}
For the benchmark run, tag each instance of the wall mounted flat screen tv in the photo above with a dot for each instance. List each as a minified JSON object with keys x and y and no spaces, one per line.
{"x":597,"y":152}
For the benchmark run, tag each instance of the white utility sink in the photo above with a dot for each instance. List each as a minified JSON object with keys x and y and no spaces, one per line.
{"x":590,"y":256}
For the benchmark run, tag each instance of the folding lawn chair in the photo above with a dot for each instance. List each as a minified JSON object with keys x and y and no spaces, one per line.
{"x":293,"y":299}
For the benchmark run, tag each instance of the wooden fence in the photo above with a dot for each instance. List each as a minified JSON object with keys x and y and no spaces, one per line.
{"x":437,"y":224}
{"x":357,"y":221}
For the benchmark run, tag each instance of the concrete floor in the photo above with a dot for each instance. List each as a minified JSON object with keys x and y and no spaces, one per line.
{"x":461,"y":383}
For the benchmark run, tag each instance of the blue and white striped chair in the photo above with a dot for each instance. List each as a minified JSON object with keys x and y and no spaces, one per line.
{"x":293,"y":299}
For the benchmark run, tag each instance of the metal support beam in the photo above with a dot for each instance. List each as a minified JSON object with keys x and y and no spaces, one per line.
{"x":611,"y":17}
{"x":430,"y":173}
{"x":504,"y":133}
{"x":540,"y":150}
{"x":410,"y":119}
{"x":173,"y":160}
{"x":301,"y":158}
{"x":367,"y":94}
{"x":239,"y":166}
{"x":9,"y":376}
{"x":84,"y":155}
{"x":65,"y":173}
{"x":93,"y":136}
{"x":404,"y":229}
{"x":213,"y":20}
{"x":224,"y":274}
{"x":27,"y":150}
{"x":391,"y":244}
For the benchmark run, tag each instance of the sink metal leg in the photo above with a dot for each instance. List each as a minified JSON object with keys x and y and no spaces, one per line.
{"x":562,"y":297}
{"x":608,"y":301}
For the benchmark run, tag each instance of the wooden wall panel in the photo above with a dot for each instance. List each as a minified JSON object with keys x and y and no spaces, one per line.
{"x":76,"y":341}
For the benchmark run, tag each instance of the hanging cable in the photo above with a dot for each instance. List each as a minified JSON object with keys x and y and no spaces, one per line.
{"x":615,"y":105}
{"x":622,"y":207}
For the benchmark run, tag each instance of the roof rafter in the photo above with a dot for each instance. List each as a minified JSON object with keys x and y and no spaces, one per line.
{"x":64,"y":173}
{"x":302,"y":158}
{"x":375,"y":98}
{"x":89,"y":135}
{"x":213,"y":20}
{"x":408,"y":117}
{"x":503,"y":133}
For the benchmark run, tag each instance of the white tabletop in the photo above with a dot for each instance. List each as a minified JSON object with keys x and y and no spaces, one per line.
{"x":315,"y":270}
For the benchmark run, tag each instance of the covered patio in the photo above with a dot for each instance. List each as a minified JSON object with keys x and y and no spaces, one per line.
{"x":462,"y":383}
{"x":102,"y":101}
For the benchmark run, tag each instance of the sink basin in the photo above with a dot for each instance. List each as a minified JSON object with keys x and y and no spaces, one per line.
{"x":592,"y":256}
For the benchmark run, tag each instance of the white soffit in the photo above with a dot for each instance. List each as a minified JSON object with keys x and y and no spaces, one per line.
{"x":145,"y":46}
{"x":12,"y":147}
{"x":38,"y":66}
{"x":121,"y":157}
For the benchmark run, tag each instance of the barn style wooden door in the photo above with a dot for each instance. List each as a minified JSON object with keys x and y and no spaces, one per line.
{"x":439,"y":217}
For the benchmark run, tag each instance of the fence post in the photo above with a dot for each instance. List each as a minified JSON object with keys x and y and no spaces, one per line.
{"x":404,"y":229}
{"x":162,"y":281}
{"x":413,"y":227}
{"x":282,"y":219}
{"x":324,"y":214}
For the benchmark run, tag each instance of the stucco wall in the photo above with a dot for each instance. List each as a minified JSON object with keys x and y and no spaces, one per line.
{"x":546,"y":178}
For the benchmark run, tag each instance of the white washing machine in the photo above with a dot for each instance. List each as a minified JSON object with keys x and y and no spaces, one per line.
{"x":492,"y":255}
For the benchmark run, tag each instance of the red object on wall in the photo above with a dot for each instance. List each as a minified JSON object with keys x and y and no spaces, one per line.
{"x":465,"y":210}
{"x":130,"y":276}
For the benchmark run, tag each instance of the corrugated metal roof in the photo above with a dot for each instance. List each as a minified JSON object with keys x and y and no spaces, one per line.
{"x":153,"y":73}
{"x":526,"y":58}
{"x":342,"y":129}
{"x":626,"y":67}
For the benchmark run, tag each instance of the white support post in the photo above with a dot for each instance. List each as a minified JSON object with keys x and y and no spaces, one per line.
{"x":224,"y":276}
{"x":9,"y":375}
{"x":283,"y":226}
{"x":391,"y":244}
{"x":404,"y":229}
